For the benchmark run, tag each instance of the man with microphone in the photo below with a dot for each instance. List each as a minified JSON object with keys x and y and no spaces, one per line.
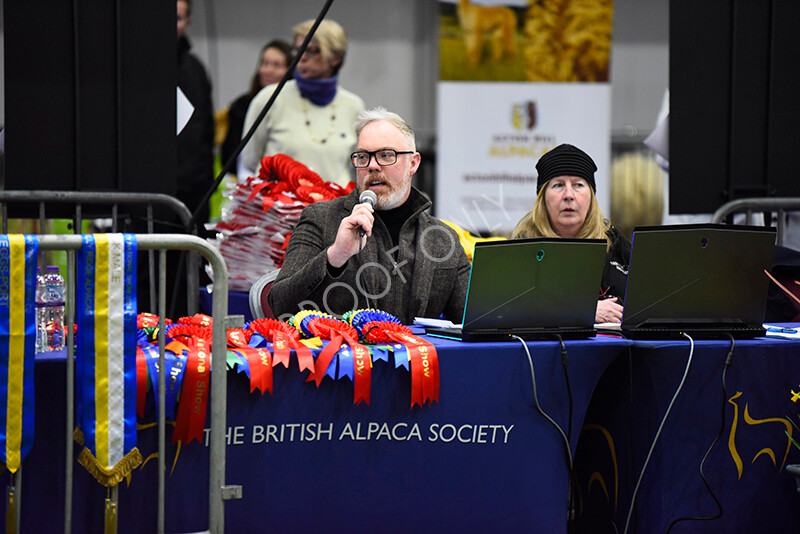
{"x":377,"y":247}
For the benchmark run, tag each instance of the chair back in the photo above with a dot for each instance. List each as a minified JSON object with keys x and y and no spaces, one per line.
{"x":259,"y":306}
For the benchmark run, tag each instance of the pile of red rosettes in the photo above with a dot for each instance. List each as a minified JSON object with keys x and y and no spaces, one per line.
{"x":260,"y":214}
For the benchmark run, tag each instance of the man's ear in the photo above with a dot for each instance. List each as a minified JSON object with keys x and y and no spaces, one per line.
{"x":416,"y":158}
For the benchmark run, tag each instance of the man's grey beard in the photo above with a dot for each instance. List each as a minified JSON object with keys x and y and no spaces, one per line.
{"x":395,"y":197}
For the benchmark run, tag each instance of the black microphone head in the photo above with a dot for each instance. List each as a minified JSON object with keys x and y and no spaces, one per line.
{"x":368,"y":197}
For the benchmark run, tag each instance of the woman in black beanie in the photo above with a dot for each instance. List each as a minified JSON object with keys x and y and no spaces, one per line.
{"x":566,"y":206}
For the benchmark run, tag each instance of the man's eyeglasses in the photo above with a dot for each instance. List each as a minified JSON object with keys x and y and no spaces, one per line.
{"x":386,"y":156}
{"x":310,"y":51}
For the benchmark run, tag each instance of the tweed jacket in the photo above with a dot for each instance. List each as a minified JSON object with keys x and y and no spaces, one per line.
{"x":426,"y":275}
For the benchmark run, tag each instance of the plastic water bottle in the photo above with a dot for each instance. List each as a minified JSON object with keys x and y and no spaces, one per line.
{"x":53,"y":298}
{"x":41,"y":322}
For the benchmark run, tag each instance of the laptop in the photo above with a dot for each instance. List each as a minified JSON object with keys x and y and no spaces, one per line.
{"x":532,"y":288}
{"x":706,"y":280}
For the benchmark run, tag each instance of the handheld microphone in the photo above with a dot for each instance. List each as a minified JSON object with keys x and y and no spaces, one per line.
{"x":366,"y":197}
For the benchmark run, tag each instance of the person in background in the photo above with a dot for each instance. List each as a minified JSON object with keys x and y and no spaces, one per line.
{"x":195,"y":162}
{"x":312,"y":119}
{"x":566,"y":206}
{"x":344,"y":254}
{"x":275,"y":58}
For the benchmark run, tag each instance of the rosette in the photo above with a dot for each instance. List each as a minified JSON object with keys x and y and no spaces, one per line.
{"x":300,"y":175}
{"x":265,"y":170}
{"x":327,"y":327}
{"x":239,"y":337}
{"x":199,"y":319}
{"x":359,"y":318}
{"x":282,"y":166}
{"x":378,"y":331}
{"x":377,"y":326}
{"x":337,"y":332}
{"x":283,"y":337}
{"x":314,"y":193}
{"x":184,"y":331}
{"x":147,"y":320}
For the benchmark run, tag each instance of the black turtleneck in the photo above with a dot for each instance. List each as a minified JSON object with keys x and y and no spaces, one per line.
{"x":394,"y":219}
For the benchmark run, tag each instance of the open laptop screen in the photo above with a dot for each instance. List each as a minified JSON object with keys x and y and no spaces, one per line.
{"x":701,"y":275}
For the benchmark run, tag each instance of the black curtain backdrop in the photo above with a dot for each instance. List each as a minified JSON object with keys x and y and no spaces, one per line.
{"x":734,"y":109}
{"x":90,"y":97}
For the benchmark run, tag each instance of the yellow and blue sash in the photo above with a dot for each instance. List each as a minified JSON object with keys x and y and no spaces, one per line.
{"x":106,"y":356}
{"x":18,"y":258}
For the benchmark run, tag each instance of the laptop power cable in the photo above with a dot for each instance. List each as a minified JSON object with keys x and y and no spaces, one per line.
{"x":658,"y":432}
{"x":728,"y":361}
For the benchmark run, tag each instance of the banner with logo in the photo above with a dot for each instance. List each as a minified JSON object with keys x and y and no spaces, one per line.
{"x":517,"y":78}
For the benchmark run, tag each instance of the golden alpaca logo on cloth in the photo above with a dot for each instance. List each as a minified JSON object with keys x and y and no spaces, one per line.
{"x":750,"y":421}
{"x":496,"y":24}
{"x":596,"y":477}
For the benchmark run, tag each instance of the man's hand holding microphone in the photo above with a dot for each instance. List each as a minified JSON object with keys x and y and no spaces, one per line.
{"x":353,"y":229}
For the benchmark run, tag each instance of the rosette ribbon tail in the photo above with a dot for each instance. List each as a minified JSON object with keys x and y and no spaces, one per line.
{"x":326,"y":356}
{"x":362,"y":378}
{"x":191,"y":417}
{"x":141,"y":381}
{"x":260,"y":362}
{"x":424,"y":368}
{"x":305,"y":360}
{"x":280,"y":342}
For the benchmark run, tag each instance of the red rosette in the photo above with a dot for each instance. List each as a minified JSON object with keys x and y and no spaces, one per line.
{"x":199,"y":319}
{"x":378,"y":331}
{"x":185,"y":330}
{"x":300,"y":175}
{"x":266,"y":167}
{"x":283,"y":337}
{"x":239,"y":337}
{"x":282,"y":165}
{"x":327,"y":327}
{"x":146,"y":320}
{"x":315,"y":193}
{"x":267,"y":327}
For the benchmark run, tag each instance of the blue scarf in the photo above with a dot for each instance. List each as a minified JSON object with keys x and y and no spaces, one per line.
{"x":319,"y":90}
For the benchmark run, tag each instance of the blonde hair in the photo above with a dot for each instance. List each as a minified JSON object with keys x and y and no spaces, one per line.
{"x":536,"y":223}
{"x":329,"y":36}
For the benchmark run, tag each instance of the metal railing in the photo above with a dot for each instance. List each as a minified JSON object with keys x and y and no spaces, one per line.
{"x":79,"y":200}
{"x":774,"y":210}
{"x":218,"y":492}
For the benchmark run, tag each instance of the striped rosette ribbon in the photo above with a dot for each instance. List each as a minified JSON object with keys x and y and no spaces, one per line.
{"x":18,"y":258}
{"x":106,"y":356}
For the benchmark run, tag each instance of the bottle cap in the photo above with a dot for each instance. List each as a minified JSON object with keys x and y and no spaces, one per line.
{"x":52,"y":268}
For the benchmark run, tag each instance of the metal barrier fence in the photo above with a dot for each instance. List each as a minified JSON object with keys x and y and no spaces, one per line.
{"x":774,"y":210}
{"x":79,"y":200}
{"x":218,"y":490}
